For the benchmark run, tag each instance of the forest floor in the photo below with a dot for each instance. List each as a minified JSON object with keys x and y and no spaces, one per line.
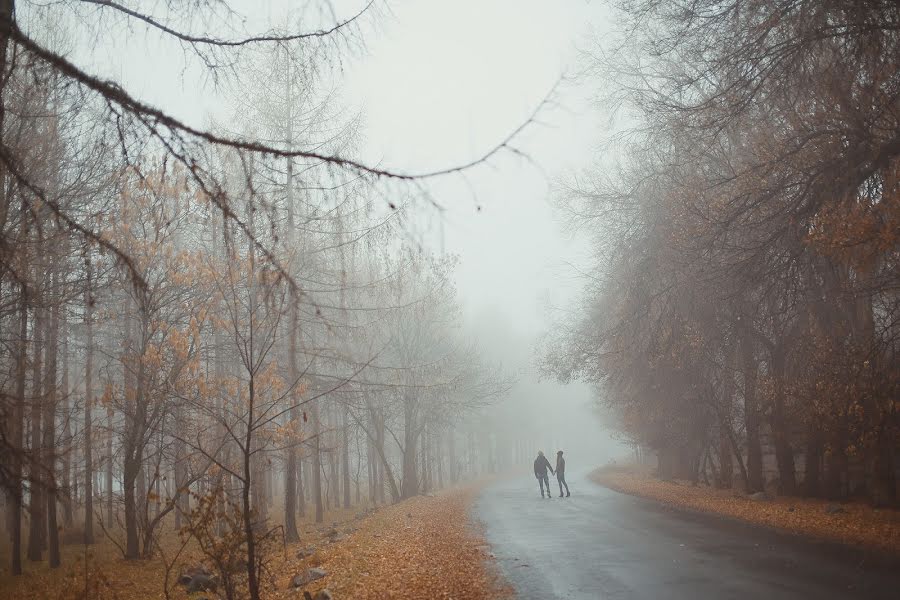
{"x":849,"y":523}
{"x":424,"y":547}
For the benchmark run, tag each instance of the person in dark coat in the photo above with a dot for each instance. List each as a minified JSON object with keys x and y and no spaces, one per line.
{"x":541,"y":464}
{"x":561,"y":474}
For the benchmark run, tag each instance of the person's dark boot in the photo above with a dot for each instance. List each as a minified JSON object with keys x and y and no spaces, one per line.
{"x":568,"y":494}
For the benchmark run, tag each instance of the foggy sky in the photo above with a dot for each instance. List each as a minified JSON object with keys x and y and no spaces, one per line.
{"x":439,"y":83}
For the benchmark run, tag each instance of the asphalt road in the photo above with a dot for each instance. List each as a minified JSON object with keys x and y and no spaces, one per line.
{"x":601,"y":544}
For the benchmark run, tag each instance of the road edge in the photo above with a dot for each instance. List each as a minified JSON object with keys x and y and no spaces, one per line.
{"x":884,"y":555}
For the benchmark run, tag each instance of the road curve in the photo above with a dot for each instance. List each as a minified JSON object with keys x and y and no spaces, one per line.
{"x":601,"y":544}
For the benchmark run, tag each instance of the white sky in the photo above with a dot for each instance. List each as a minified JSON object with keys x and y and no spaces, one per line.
{"x":444,"y":82}
{"x":438,"y":83}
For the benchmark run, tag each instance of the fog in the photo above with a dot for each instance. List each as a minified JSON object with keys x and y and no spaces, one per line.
{"x":270,"y":265}
{"x":430,"y":98}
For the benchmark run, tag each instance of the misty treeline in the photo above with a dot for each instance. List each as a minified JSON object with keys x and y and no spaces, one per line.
{"x":211,"y":331}
{"x":741,"y":319}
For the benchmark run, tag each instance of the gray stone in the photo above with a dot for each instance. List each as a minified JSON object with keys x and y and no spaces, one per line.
{"x":198,"y":579}
{"x":306,"y":552}
{"x":323,"y":595}
{"x":834,"y":509}
{"x":202,"y":583}
{"x":307,"y":577}
{"x":758,"y":496}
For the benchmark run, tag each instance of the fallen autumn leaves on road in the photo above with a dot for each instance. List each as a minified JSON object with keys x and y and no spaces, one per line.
{"x":857,"y":524}
{"x":422,"y":548}
{"x":425,"y":547}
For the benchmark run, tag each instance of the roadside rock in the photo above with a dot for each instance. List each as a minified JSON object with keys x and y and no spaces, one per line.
{"x":759,"y":496}
{"x":307,"y":577}
{"x":198,"y":579}
{"x":192,"y":573}
{"x":202,"y":583}
{"x":306,"y":552}
{"x":834,"y":509}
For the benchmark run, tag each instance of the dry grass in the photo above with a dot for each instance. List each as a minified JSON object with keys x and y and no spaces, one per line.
{"x":859,"y":525}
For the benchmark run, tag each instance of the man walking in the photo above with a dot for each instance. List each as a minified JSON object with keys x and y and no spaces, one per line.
{"x":541,"y":464}
{"x":561,"y":474}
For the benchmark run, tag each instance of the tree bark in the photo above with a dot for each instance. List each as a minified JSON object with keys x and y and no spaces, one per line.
{"x":37,"y":503}
{"x":109,"y":465}
{"x":68,"y":474}
{"x":409,"y":486}
{"x":88,"y":406}
{"x":813,"y":463}
{"x":784,"y":454}
{"x":751,"y":415}
{"x":18,"y":430}
{"x":317,"y":463}
{"x":247,"y":508}
{"x":291,"y":469}
{"x":50,"y":399}
{"x":345,"y":457}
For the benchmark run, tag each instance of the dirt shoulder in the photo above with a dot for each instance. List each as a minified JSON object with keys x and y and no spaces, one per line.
{"x":424,"y":547}
{"x":855,"y":524}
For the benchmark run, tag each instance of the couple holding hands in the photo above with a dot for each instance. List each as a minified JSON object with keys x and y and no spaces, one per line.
{"x":541,"y":464}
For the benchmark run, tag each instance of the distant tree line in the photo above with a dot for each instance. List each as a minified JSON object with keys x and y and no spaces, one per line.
{"x":742,"y":319}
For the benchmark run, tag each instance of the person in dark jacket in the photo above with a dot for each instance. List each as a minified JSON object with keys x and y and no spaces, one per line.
{"x":541,"y":464}
{"x":561,"y":474}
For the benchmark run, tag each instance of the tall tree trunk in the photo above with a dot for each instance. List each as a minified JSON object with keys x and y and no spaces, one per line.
{"x":50,"y":398}
{"x":439,"y":448}
{"x":726,"y":465}
{"x":37,"y":501}
{"x":317,"y":462}
{"x":246,"y":506}
{"x":751,"y":415}
{"x":333,"y":460}
{"x":380,"y":468}
{"x":291,"y":469}
{"x":182,"y":504}
{"x":110,"y":414}
{"x":836,"y":465}
{"x":813,"y":462}
{"x":884,"y":482}
{"x":345,"y":457}
{"x":370,"y":467}
{"x":133,"y":446}
{"x":18,"y":438}
{"x":784,"y":454}
{"x":409,"y":486}
{"x":301,"y":491}
{"x":88,"y":405}
{"x":68,"y":474}
{"x":451,"y":456}
{"x":131,"y":468}
{"x":726,"y":410}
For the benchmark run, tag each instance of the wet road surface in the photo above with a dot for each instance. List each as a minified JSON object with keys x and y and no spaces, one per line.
{"x":602,"y":544}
